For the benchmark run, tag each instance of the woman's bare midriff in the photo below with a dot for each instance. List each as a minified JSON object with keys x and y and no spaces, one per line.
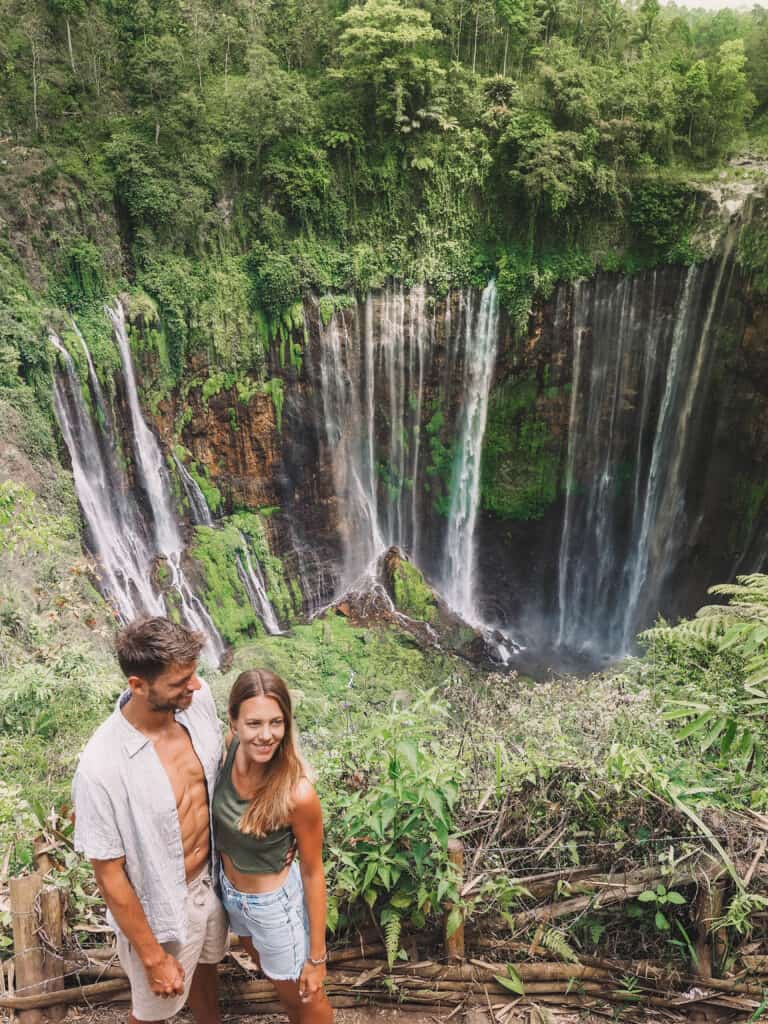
{"x":250,"y":882}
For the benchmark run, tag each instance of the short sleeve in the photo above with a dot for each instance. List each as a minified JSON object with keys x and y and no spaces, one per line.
{"x":97,"y":835}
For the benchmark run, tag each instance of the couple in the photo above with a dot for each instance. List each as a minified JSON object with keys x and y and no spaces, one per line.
{"x":155,"y":809}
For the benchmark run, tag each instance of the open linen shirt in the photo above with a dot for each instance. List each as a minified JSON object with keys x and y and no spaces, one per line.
{"x":125,"y":807}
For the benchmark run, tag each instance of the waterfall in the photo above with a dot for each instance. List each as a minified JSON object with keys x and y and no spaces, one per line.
{"x":154,"y":479}
{"x":114,"y":529}
{"x":250,"y":572}
{"x":256,"y":589}
{"x":122,"y":542}
{"x":641,"y":362}
{"x":480,"y":360}
{"x":381,"y":372}
{"x":199,"y":512}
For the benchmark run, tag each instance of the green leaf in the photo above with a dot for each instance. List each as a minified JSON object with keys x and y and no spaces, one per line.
{"x":454,"y":921}
{"x":677,"y":898}
{"x":332,"y":913}
{"x":728,"y":737}
{"x":512,"y":981}
{"x":661,"y":922}
{"x":714,"y":733}
{"x":408,"y":751}
{"x":697,"y":725}
{"x":370,"y":896}
{"x":436,"y":802}
{"x":649,"y":896}
{"x":370,"y":871}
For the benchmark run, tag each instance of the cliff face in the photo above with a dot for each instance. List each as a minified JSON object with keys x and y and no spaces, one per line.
{"x":584,"y":455}
{"x":624,"y":440}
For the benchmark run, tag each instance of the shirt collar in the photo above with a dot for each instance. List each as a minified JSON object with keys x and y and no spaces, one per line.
{"x":133,"y":739}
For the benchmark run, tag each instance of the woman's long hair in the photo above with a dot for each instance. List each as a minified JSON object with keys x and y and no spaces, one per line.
{"x":272,"y":803}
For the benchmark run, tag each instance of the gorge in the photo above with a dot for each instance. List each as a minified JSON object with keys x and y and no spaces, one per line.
{"x":562,"y":485}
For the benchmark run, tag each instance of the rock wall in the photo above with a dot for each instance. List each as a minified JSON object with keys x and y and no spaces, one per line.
{"x":262,"y":453}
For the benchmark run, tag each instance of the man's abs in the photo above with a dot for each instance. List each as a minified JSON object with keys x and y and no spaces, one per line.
{"x":187,"y":779}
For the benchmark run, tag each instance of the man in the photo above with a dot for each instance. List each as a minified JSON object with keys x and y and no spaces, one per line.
{"x":142,"y":796}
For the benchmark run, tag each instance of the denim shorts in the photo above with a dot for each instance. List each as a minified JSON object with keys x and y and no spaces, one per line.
{"x":276,"y":923}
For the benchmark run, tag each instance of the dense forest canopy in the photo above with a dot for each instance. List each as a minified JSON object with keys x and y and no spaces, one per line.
{"x":254,"y":148}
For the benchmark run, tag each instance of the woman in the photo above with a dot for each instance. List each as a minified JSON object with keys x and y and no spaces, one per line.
{"x":264,"y":802}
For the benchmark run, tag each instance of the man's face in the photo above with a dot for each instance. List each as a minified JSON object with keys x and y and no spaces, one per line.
{"x":173,"y":689}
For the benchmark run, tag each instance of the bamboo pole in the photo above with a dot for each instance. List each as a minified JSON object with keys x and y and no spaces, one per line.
{"x":28,"y":955}
{"x":32,"y":1004}
{"x":709,"y":946}
{"x":454,"y":942}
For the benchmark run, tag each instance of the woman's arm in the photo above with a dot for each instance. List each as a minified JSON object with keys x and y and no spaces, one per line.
{"x":307,"y":825}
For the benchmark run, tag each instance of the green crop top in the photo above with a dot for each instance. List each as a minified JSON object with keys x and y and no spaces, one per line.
{"x":250,"y":854}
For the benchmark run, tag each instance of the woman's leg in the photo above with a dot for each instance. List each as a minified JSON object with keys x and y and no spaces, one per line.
{"x":316,"y":1010}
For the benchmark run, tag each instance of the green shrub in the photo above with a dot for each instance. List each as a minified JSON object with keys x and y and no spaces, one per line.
{"x":413,"y":596}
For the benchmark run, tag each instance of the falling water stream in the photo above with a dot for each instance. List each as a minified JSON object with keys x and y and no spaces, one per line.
{"x":400,"y":384}
{"x":371,"y":377}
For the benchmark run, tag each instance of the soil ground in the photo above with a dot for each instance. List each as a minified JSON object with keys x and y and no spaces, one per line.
{"x":118,"y":1014}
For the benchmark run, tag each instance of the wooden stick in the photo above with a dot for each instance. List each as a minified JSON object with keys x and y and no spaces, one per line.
{"x":709,"y":947}
{"x":52,"y":930}
{"x":756,"y":860}
{"x":68,"y":995}
{"x":28,"y":955}
{"x":454,"y":943}
{"x":618,"y":893}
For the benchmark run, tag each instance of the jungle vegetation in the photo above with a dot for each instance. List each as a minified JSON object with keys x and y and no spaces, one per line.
{"x":250,"y":149}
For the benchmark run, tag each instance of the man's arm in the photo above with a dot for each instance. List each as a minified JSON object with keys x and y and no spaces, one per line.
{"x":164,"y":972}
{"x":97,"y":836}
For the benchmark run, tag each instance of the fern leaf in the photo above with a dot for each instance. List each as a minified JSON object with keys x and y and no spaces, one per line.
{"x":392,"y":925}
{"x":554,"y":940}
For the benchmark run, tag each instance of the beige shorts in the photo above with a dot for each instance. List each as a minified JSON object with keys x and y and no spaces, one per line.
{"x":206,"y":944}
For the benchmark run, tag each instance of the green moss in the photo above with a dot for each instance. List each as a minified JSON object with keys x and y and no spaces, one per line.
{"x":298,"y":597}
{"x":199,"y":474}
{"x":413,"y":596}
{"x":523,"y":276}
{"x":318,"y":661}
{"x":216,"y":550}
{"x":274,"y":388}
{"x":749,"y":499}
{"x":753,"y":254}
{"x":521,"y":459}
{"x":442,"y":452}
{"x":326,"y":308}
{"x":278,"y":591}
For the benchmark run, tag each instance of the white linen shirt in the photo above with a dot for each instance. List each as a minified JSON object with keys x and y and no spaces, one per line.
{"x":125,"y":807}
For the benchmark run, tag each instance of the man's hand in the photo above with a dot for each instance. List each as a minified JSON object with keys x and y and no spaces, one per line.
{"x":290,"y":854}
{"x":166,"y":976}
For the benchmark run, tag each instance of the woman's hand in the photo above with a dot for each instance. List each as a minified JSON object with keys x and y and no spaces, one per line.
{"x":311,"y":981}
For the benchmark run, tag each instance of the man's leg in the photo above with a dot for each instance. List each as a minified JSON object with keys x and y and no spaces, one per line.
{"x":203,"y":998}
{"x":211,"y":926}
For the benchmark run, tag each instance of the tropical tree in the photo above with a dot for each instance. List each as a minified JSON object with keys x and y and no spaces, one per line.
{"x":732,"y":100}
{"x":388,"y":46}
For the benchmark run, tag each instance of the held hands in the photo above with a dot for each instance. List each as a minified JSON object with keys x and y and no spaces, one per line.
{"x":311,"y":981}
{"x":166,"y":976}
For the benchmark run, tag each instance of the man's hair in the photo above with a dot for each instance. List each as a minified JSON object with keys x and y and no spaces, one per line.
{"x":146,"y":647}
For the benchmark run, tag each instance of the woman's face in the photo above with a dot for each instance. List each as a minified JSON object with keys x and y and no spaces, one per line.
{"x":260,"y":726}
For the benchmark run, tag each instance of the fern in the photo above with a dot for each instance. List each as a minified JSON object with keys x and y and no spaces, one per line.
{"x":392,"y":924}
{"x":724,"y":719}
{"x":554,"y":940}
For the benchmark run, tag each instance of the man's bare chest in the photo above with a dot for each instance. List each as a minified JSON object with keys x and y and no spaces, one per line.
{"x":181,"y":764}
